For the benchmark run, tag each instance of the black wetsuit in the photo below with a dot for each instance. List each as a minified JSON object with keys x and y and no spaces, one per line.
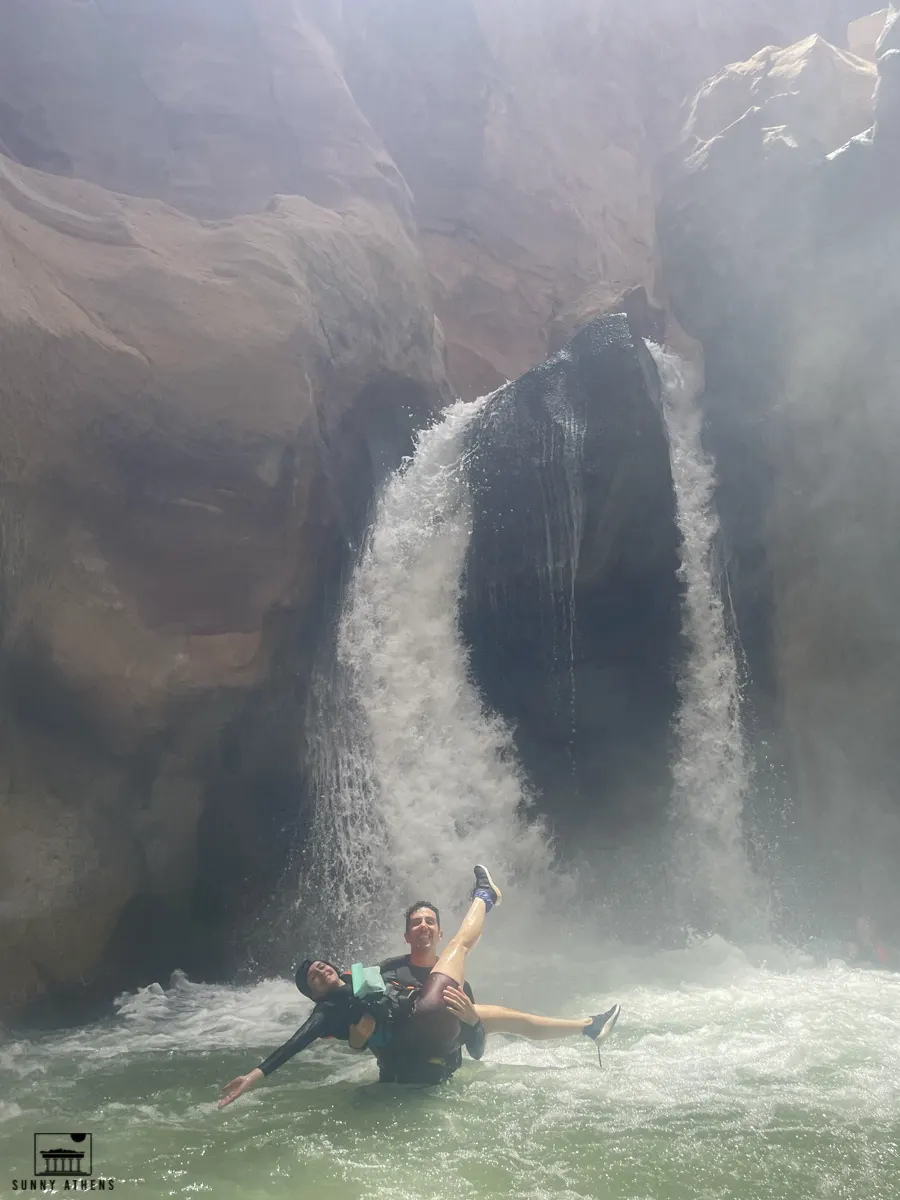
{"x":331,"y":1018}
{"x":399,"y":1063}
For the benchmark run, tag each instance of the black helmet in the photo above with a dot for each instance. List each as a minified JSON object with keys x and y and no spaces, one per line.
{"x":301,"y":975}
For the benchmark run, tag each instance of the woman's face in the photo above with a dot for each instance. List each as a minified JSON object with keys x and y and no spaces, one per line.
{"x":321,"y":979}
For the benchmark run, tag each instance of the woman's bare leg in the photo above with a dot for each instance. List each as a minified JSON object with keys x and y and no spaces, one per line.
{"x":497,"y":1019}
{"x":453,"y":961}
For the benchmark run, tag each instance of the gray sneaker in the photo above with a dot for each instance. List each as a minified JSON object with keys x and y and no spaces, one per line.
{"x":601,"y":1027}
{"x":484,"y":883}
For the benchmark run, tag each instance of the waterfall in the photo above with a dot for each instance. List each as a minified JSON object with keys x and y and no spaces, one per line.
{"x":711,"y":773}
{"x":413,"y":780}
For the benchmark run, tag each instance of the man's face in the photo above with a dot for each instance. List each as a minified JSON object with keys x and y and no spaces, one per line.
{"x":321,"y":979}
{"x":422,"y":931}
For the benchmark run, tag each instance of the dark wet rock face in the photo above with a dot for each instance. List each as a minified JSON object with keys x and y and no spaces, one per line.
{"x":572,"y":602}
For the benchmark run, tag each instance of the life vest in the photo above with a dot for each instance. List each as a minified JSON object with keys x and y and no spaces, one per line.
{"x":385,"y":1000}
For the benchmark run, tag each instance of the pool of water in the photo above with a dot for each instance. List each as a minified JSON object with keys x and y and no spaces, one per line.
{"x":732,"y":1074}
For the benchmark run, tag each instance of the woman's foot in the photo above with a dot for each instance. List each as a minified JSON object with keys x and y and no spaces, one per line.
{"x":601,"y":1026}
{"x":485,"y":889}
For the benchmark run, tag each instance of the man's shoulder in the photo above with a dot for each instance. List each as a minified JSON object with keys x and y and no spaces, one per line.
{"x":394,"y":964}
{"x":403,"y":970}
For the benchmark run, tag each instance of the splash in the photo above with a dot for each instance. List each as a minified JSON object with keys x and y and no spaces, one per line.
{"x":414,"y":780}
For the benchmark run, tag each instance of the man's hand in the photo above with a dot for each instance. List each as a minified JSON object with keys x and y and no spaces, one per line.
{"x":238,"y":1086}
{"x":460,"y":1004}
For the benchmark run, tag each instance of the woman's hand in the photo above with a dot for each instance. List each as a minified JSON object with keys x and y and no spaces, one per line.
{"x":361,"y":1032}
{"x":460,"y":1004}
{"x":238,"y":1086}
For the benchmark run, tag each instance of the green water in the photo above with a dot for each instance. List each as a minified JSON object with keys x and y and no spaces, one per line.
{"x":726,"y":1078}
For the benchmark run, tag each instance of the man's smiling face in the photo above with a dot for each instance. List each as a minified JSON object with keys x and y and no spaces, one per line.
{"x":422,"y":931}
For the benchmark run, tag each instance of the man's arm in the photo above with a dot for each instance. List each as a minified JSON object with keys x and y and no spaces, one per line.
{"x":460,"y":1002}
{"x":475,"y":1038}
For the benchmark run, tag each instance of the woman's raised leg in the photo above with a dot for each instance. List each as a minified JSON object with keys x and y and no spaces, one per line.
{"x":485,"y":896}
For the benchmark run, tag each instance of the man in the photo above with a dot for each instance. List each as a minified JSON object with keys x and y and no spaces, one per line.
{"x":430,"y":1033}
{"x":423,"y":935}
{"x":396,"y":1062}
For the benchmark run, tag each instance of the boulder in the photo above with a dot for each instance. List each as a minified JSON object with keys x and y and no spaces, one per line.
{"x":735,"y":212}
{"x":890,"y":35}
{"x":821,"y":95}
{"x":887,"y":103}
{"x":863,"y":34}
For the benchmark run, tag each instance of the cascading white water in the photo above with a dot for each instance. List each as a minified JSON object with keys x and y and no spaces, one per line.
{"x":712,"y":771}
{"x":414,"y":781}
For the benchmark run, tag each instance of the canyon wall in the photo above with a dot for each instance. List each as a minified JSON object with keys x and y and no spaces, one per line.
{"x":247,"y":248}
{"x":780,"y":234}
